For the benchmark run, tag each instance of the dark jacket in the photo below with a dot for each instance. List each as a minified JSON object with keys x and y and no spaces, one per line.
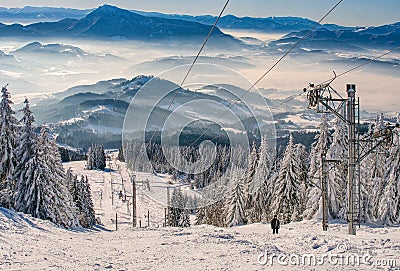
{"x":275,"y":224}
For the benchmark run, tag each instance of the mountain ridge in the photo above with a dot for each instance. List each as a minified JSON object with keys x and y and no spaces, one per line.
{"x":230,"y":21}
{"x":110,"y":22}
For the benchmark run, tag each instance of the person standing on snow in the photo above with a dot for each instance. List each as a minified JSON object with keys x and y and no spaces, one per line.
{"x":275,"y":225}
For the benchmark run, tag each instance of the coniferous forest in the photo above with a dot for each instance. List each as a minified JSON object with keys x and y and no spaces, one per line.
{"x":254,"y":188}
{"x":32,"y":176}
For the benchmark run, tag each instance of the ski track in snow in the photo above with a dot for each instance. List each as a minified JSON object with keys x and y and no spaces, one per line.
{"x":27,"y":243}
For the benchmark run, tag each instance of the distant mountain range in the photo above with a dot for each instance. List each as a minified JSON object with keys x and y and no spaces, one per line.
{"x":269,"y":24}
{"x":109,"y":22}
{"x":354,"y":39}
{"x":30,"y":13}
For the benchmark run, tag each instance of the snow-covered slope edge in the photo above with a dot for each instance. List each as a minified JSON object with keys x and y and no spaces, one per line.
{"x":31,"y":244}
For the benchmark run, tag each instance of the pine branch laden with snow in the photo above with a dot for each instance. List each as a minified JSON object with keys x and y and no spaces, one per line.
{"x":8,"y":135}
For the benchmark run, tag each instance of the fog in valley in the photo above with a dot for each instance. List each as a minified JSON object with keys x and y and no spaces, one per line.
{"x":40,"y":67}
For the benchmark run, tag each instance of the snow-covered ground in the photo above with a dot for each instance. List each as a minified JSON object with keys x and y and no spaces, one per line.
{"x":30,"y":244}
{"x":151,"y":193}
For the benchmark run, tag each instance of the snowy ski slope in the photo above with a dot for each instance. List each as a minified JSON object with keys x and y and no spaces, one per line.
{"x":27,"y":243}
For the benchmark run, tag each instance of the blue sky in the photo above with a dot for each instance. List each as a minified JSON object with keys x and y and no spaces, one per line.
{"x":350,"y":12}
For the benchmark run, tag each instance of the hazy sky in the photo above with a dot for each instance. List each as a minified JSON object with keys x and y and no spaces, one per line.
{"x":350,"y":12}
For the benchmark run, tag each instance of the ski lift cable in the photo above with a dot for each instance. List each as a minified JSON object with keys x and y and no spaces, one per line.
{"x":309,"y":32}
{"x":362,"y":65}
{"x":288,"y":99}
{"x":192,"y":65}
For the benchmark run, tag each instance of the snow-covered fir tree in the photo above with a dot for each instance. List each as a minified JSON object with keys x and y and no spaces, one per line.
{"x":40,"y":190}
{"x":373,"y":173}
{"x":184,"y":220}
{"x":26,"y":157}
{"x":236,"y":201}
{"x":8,"y":135}
{"x":337,"y":187}
{"x":250,"y":188}
{"x":286,"y":198}
{"x":96,"y":158}
{"x":179,"y":215}
{"x":389,"y":205}
{"x":262,"y":185}
{"x":302,"y":158}
{"x":121,"y":156}
{"x":319,"y":147}
{"x":84,"y":203}
{"x":213,"y":204}
{"x":71,"y":180}
{"x":81,"y":195}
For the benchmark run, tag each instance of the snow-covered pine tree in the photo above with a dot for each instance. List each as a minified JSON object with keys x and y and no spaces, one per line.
{"x":236,"y":201}
{"x":39,"y":191}
{"x":84,"y":203}
{"x":8,"y":135}
{"x":201,"y":215}
{"x":373,"y":172}
{"x":262,"y":185}
{"x":53,"y":157}
{"x":337,"y":187}
{"x":213,"y":207}
{"x":389,"y":205}
{"x":177,"y":207}
{"x":71,"y":182}
{"x":250,"y":188}
{"x":184,"y":220}
{"x":321,"y":144}
{"x":121,"y":156}
{"x":286,"y":198}
{"x":90,"y":165}
{"x":96,"y":158}
{"x":101,"y":158}
{"x":302,"y":158}
{"x":26,"y":157}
